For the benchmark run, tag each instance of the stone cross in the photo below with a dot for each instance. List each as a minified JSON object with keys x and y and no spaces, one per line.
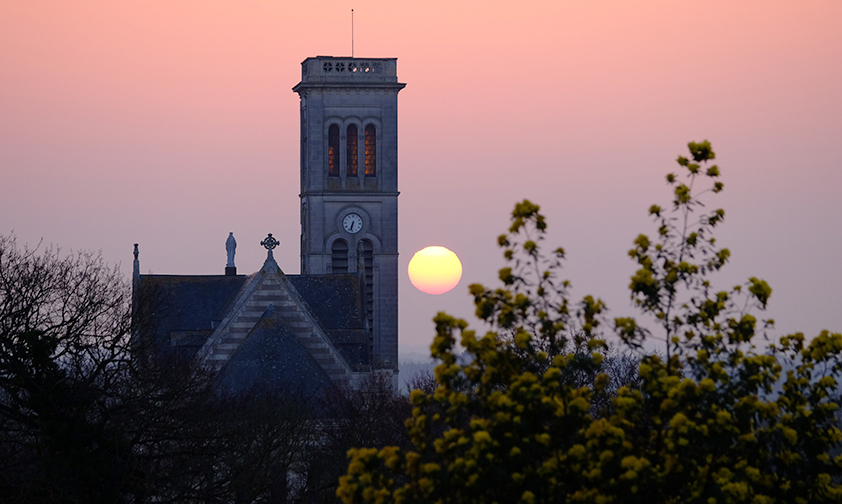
{"x":270,"y":243}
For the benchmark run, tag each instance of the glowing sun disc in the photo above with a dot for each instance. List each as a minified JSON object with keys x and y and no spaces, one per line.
{"x":435,"y":270}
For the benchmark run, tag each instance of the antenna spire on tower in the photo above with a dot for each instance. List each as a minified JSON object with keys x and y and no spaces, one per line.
{"x":352,"y":33}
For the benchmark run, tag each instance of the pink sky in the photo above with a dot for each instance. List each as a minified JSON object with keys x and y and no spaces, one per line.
{"x":172,"y":123}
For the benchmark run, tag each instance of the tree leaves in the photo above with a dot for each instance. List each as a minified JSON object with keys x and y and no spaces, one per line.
{"x":710,"y":418}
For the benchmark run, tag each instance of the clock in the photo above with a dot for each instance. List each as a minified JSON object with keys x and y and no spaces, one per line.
{"x":352,"y":223}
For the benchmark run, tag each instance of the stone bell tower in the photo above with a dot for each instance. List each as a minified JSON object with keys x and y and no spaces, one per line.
{"x":349,"y":182}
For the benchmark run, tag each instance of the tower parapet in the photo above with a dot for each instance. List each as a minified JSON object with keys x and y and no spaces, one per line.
{"x":338,"y":70}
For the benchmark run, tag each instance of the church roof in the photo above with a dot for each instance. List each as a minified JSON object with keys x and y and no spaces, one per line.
{"x":268,"y":328}
{"x":336,"y":302}
{"x":272,"y":359}
{"x":179,"y":312}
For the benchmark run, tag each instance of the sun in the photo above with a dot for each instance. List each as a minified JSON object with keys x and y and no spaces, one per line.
{"x":435,"y":270}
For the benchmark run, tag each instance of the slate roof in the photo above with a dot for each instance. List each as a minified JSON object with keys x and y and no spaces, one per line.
{"x":272,"y":359}
{"x":178,"y":313}
{"x":336,"y":301}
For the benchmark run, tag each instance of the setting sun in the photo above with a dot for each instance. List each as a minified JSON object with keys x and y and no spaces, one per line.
{"x":435,"y":270}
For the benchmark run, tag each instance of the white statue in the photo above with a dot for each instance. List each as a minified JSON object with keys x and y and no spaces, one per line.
{"x":230,"y":247}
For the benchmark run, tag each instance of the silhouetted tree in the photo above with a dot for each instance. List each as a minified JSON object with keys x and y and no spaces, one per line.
{"x":88,"y":414}
{"x":64,"y":327}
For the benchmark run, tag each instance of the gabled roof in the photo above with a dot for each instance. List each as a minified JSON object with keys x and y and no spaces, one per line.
{"x":267,"y":328}
{"x":273,"y":359}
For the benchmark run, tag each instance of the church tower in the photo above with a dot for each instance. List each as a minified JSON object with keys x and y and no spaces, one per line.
{"x":349,"y":182}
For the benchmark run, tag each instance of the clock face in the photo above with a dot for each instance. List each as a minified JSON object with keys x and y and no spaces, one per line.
{"x":352,"y":223}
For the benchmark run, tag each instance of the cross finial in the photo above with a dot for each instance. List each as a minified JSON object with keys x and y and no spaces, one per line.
{"x":269,"y":243}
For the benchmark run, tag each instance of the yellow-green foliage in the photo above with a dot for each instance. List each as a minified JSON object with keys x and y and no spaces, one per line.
{"x":710,"y":418}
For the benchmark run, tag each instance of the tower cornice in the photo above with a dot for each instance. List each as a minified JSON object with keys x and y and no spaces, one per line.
{"x":303,"y":87}
{"x":338,"y":72}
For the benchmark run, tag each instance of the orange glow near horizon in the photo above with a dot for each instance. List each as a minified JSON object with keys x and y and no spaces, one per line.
{"x":435,"y":270}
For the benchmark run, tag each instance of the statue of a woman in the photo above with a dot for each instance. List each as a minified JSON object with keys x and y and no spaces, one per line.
{"x":230,"y":247}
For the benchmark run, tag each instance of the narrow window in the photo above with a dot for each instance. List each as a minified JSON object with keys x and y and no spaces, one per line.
{"x":351,"y":155}
{"x":367,"y":250}
{"x":339,"y":257}
{"x":333,"y":150}
{"x":370,"y":151}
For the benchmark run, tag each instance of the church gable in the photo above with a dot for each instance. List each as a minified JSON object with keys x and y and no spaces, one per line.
{"x":269,"y":289}
{"x":226,"y":322}
{"x":272,"y":358}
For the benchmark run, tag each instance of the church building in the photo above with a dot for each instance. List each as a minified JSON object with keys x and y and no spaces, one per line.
{"x":336,"y":323}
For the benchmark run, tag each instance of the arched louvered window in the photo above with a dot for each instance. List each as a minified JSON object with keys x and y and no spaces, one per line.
{"x":351,"y":154}
{"x":367,"y":250}
{"x":370,"y":151}
{"x":333,"y":150}
{"x":339,"y":256}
